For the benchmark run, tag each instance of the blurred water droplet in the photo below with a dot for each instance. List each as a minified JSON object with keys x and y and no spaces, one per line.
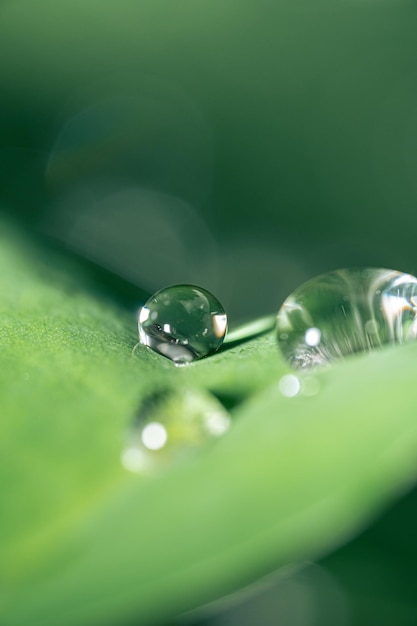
{"x":289,"y":386}
{"x":344,"y":312}
{"x":312,"y":337}
{"x":183,"y":323}
{"x":171,"y":424}
{"x":154,"y":436}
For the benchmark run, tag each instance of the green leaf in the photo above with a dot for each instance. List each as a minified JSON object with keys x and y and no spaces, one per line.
{"x":85,"y":542}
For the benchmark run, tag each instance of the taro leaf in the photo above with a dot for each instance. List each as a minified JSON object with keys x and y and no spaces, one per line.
{"x":85,"y":542}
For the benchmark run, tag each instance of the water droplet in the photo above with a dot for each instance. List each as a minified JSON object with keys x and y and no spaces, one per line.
{"x":183,"y":323}
{"x":154,"y":436}
{"x":171,"y":424}
{"x":312,"y":337}
{"x":344,"y":312}
{"x":289,"y":386}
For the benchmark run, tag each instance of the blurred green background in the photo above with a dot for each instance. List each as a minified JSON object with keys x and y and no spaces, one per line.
{"x":243,"y":146}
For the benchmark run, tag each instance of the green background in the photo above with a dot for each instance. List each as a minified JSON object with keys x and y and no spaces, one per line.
{"x":288,"y":127}
{"x":243,"y":146}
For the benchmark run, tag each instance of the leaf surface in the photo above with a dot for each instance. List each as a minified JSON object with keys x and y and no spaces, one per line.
{"x":85,"y":542}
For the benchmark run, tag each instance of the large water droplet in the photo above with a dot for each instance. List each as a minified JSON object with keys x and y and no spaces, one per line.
{"x":183,"y":323}
{"x":171,"y":424}
{"x":344,"y":312}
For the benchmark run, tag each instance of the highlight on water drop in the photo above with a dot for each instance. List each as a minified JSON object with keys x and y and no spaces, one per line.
{"x":290,"y":386}
{"x":345,"y":312}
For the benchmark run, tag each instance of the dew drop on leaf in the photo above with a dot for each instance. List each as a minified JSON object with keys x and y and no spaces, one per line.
{"x":289,"y":386}
{"x":344,"y":312}
{"x":183,"y":323}
{"x":171,"y":424}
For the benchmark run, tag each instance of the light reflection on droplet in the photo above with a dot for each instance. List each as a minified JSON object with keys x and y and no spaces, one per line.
{"x":312,"y":336}
{"x":219,"y":325}
{"x":178,"y":354}
{"x":144,"y":313}
{"x":395,"y":304}
{"x":289,"y":386}
{"x":154,"y":436}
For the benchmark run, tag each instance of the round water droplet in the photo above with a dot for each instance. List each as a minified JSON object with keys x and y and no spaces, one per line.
{"x":183,"y":323}
{"x":289,"y":386}
{"x":344,"y":312}
{"x":171,"y":424}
